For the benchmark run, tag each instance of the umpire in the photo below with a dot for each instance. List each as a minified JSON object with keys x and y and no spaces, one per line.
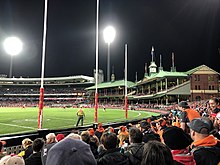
{"x":80,"y":113}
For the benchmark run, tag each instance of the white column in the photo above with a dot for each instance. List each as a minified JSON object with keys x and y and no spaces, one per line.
{"x":166,"y":83}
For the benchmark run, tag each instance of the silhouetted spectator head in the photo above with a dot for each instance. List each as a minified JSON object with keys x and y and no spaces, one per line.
{"x":99,"y":125}
{"x":129,"y":125}
{"x":110,"y":129}
{"x":109,"y":140}
{"x":144,"y":124}
{"x":85,"y":137}
{"x":70,"y":151}
{"x":122,"y":128}
{"x":38,"y":144}
{"x":156,"y":153}
{"x":183,"y":104}
{"x":74,"y":136}
{"x":170,"y":135}
{"x":135,"y":135}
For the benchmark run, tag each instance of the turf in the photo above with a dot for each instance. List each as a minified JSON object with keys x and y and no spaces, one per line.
{"x":21,"y":120}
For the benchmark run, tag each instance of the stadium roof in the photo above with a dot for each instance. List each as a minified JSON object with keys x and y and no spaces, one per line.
{"x":111,"y":84}
{"x":162,"y":74}
{"x":168,"y":74}
{"x":21,"y":79}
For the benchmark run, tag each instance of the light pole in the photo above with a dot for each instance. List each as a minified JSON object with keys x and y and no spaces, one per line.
{"x":109,"y":36}
{"x":13,"y":46}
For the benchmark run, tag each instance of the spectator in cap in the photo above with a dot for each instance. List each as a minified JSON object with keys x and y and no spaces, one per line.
{"x":156,"y":153}
{"x":35,"y":158}
{"x":205,"y":148}
{"x":27,"y":146}
{"x":2,"y":154}
{"x":111,"y":155}
{"x":50,"y":141}
{"x":69,"y":152}
{"x":179,"y":148}
{"x":187,"y":115}
{"x":60,"y":136}
{"x":135,"y":149}
{"x":12,"y":160}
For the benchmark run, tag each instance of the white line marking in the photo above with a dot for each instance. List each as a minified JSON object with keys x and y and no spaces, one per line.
{"x":60,"y":118}
{"x":13,"y":125}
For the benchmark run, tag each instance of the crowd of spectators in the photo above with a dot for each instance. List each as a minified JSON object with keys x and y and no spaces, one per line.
{"x":188,"y":135}
{"x":36,"y":90}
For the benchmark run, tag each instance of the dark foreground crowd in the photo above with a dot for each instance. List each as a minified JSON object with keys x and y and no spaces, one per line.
{"x":186,"y":136}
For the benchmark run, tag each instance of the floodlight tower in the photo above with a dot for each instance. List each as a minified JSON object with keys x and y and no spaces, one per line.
{"x":109,"y":36}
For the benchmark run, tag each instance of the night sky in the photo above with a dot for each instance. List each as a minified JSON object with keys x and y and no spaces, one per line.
{"x":189,"y":28}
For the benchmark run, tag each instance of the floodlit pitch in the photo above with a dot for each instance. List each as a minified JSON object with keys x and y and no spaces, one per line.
{"x":22,"y":120}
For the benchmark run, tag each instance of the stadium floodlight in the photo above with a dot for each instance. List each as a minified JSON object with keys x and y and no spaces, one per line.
{"x":109,"y":36}
{"x":13,"y":46}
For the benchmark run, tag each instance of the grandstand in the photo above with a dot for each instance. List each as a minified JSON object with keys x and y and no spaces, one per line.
{"x":62,"y":90}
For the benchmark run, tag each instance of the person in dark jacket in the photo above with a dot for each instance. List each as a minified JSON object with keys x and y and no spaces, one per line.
{"x":35,"y":158}
{"x":205,"y":148}
{"x":112,"y":155}
{"x":135,"y":149}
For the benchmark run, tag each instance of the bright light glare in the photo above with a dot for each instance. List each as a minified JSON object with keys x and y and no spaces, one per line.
{"x":13,"y":45}
{"x":109,"y":34}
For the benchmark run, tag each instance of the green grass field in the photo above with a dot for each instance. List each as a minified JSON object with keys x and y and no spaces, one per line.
{"x":19,"y":120}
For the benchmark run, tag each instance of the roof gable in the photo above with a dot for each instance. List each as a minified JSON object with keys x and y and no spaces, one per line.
{"x":202,"y":69}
